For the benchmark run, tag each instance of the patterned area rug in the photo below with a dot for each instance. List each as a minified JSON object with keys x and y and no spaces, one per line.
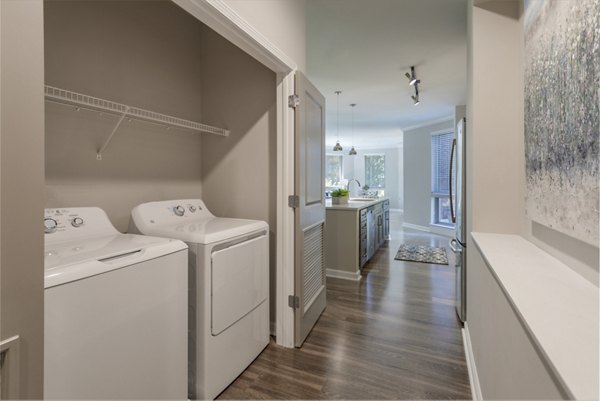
{"x":421,"y":253}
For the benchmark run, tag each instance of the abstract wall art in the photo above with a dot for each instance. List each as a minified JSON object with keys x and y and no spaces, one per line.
{"x":562,"y":71}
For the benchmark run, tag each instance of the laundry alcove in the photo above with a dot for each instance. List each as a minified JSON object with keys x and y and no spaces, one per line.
{"x":155,"y":56}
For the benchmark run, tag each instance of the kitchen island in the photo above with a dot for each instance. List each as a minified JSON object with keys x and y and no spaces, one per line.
{"x":353,"y":233}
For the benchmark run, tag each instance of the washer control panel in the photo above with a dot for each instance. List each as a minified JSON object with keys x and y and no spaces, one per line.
{"x":69,"y":223}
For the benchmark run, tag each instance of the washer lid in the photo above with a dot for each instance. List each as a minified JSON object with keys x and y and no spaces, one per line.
{"x":77,"y":259}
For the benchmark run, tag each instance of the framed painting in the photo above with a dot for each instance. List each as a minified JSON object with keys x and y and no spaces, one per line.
{"x":562,"y":71}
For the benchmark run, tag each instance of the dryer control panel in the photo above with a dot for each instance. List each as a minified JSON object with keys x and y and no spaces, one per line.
{"x":190,"y":207}
{"x":171,"y":212}
{"x":63,"y":224}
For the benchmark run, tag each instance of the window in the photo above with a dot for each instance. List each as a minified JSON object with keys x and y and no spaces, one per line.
{"x":375,"y":171}
{"x":334,"y":173}
{"x":441,"y":146}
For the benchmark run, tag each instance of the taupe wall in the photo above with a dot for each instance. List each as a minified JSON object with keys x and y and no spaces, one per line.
{"x":239,"y":172}
{"x":146,"y":54}
{"x":459,"y":112}
{"x":158,"y":57}
{"x":280,"y":21}
{"x":22,"y":190}
{"x":495,"y":162}
{"x":417,"y":172}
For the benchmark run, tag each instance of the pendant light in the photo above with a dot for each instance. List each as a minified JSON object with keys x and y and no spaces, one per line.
{"x":338,"y":147}
{"x":352,"y":151}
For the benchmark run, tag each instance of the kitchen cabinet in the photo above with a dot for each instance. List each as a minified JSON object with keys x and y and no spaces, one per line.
{"x":353,"y":234}
{"x":363,"y":240}
{"x":379,"y":229}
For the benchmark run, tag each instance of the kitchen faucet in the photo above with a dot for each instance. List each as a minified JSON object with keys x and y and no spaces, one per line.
{"x":349,"y":182}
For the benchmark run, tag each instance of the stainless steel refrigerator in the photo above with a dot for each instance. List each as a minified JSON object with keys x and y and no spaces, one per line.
{"x":458,"y":210}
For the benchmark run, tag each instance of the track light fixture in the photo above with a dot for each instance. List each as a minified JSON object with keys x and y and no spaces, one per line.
{"x":338,"y":147}
{"x":413,"y":81}
{"x":412,"y":78}
{"x":415,"y":97}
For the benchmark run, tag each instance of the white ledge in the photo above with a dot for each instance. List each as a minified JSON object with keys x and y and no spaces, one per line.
{"x":557,"y":306}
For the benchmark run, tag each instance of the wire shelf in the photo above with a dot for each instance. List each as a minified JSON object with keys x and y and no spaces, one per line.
{"x":85,"y":101}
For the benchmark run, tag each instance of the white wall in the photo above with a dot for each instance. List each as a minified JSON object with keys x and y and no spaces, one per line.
{"x":348,"y":162}
{"x":283,"y":22}
{"x":417,"y":172}
{"x":22,"y":192}
{"x":509,"y":367}
{"x":393,"y":190}
{"x":400,"y":168}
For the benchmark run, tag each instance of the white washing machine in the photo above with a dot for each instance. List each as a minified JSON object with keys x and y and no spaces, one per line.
{"x":115,"y":310}
{"x":229,"y":288}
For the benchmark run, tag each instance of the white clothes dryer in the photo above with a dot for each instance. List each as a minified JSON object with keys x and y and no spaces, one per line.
{"x":229,"y":288}
{"x":115,"y":310}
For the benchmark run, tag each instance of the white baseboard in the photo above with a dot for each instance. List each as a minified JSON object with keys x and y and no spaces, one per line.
{"x":401,"y":211}
{"x":470,"y":357}
{"x":446,"y":232}
{"x":343,"y":274}
{"x":416,"y":227}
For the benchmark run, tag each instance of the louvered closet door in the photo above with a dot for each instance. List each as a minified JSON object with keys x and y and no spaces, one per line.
{"x":310,"y":213}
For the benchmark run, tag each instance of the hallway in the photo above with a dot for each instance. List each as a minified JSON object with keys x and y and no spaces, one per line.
{"x":393,"y":335}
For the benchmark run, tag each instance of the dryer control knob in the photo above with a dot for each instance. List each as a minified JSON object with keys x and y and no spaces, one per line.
{"x":50,"y":225}
{"x":77,"y":222}
{"x":192,"y":208}
{"x":179,"y":210}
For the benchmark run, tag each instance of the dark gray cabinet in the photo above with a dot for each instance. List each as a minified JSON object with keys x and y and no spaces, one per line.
{"x":379,"y":225}
{"x":386,"y":219}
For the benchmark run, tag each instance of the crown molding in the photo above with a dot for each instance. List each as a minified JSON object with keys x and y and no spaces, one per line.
{"x":428,"y":123}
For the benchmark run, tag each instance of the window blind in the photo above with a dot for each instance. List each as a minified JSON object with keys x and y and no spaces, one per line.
{"x":441,"y":146}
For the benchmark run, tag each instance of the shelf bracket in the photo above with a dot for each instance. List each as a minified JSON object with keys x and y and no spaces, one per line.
{"x":103,"y":147}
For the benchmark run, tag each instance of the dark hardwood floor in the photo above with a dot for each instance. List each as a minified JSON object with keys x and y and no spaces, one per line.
{"x":393,"y":335}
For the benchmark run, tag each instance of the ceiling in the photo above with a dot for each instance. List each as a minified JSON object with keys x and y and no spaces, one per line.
{"x":364,"y":47}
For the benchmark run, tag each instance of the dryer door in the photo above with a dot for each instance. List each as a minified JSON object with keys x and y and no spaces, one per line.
{"x":240,"y":281}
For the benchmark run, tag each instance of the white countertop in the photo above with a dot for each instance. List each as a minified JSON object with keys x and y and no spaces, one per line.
{"x":556,"y":305}
{"x":353,"y":205}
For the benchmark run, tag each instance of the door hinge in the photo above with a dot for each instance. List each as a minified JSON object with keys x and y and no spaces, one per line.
{"x":293,"y":101}
{"x":294,"y":201}
{"x":294,"y":302}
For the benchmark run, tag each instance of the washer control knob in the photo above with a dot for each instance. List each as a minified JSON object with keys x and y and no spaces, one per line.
{"x":50,"y":225}
{"x":77,"y":222}
{"x":179,"y":210}
{"x":192,"y":208}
